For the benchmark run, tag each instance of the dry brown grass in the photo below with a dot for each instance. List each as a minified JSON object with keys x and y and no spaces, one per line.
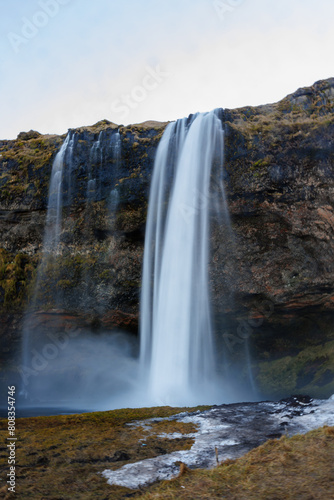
{"x":62,"y":457}
{"x":297,"y":468}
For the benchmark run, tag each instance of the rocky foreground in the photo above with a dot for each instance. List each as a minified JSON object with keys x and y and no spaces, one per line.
{"x":272,"y":285}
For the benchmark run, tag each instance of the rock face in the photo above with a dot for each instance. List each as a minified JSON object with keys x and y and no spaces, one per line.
{"x":272,"y":283}
{"x":278,"y":275}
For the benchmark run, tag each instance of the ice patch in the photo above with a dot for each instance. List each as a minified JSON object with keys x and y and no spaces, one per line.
{"x":231,"y":429}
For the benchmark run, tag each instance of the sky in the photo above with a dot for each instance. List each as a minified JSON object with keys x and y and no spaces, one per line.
{"x":69,"y":63}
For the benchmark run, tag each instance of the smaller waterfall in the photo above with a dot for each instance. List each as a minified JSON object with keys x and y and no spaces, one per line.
{"x":176,"y":333}
{"x":113,"y":201}
{"x":82,"y":174}
{"x":91,"y":190}
{"x":55,"y":201}
{"x":117,"y":148}
{"x":54,"y":218}
{"x":114,"y":196}
{"x":68,"y":160}
{"x":97,"y":158}
{"x":51,"y":242}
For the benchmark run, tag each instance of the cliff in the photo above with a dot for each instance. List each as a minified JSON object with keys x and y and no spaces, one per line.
{"x":272,"y":283}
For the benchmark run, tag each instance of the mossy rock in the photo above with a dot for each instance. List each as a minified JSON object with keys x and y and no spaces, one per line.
{"x":16,"y":275}
{"x":26,"y":136}
{"x":309,"y":372}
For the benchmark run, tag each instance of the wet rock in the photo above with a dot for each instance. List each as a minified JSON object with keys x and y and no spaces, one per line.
{"x":297,"y":400}
{"x":118,"y":456}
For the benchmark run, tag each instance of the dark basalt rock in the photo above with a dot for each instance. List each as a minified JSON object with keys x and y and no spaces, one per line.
{"x":119,"y":456}
{"x":297,"y":400}
{"x":26,"y":136}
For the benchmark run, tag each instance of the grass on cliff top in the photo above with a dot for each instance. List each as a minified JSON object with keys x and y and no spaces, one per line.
{"x":35,"y":151}
{"x":61,"y":457}
{"x":20,"y":161}
{"x":98,"y":127}
{"x":149,"y":124}
{"x":297,"y":468}
{"x":284,"y":117}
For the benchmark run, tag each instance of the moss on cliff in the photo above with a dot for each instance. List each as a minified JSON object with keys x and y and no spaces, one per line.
{"x":311,"y":372}
{"x":98,"y":127}
{"x":16,"y":276}
{"x":63,"y":273}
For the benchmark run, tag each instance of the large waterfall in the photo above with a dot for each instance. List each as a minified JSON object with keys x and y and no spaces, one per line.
{"x":180,"y":363}
{"x":177,"y":351}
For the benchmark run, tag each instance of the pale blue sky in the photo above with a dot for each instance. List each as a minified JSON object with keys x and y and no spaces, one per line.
{"x":67,"y":63}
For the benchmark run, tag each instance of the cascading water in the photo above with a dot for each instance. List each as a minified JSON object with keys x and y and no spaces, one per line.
{"x":68,"y":160}
{"x":55,"y":202}
{"x":51,"y":243}
{"x":116,"y":145}
{"x":71,"y":180}
{"x":97,"y":158}
{"x":177,"y":349}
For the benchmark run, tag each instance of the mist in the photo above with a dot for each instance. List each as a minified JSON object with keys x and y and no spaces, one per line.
{"x":91,"y":372}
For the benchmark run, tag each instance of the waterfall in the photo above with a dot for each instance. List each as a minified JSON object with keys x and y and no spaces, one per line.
{"x":53,"y":224}
{"x":97,"y":158}
{"x":177,"y":350}
{"x":55,"y":201}
{"x":51,"y":245}
{"x":116,"y":145}
{"x":79,"y":175}
{"x":69,"y":146}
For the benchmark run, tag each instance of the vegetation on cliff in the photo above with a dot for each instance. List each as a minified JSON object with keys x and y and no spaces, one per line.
{"x":16,"y":274}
